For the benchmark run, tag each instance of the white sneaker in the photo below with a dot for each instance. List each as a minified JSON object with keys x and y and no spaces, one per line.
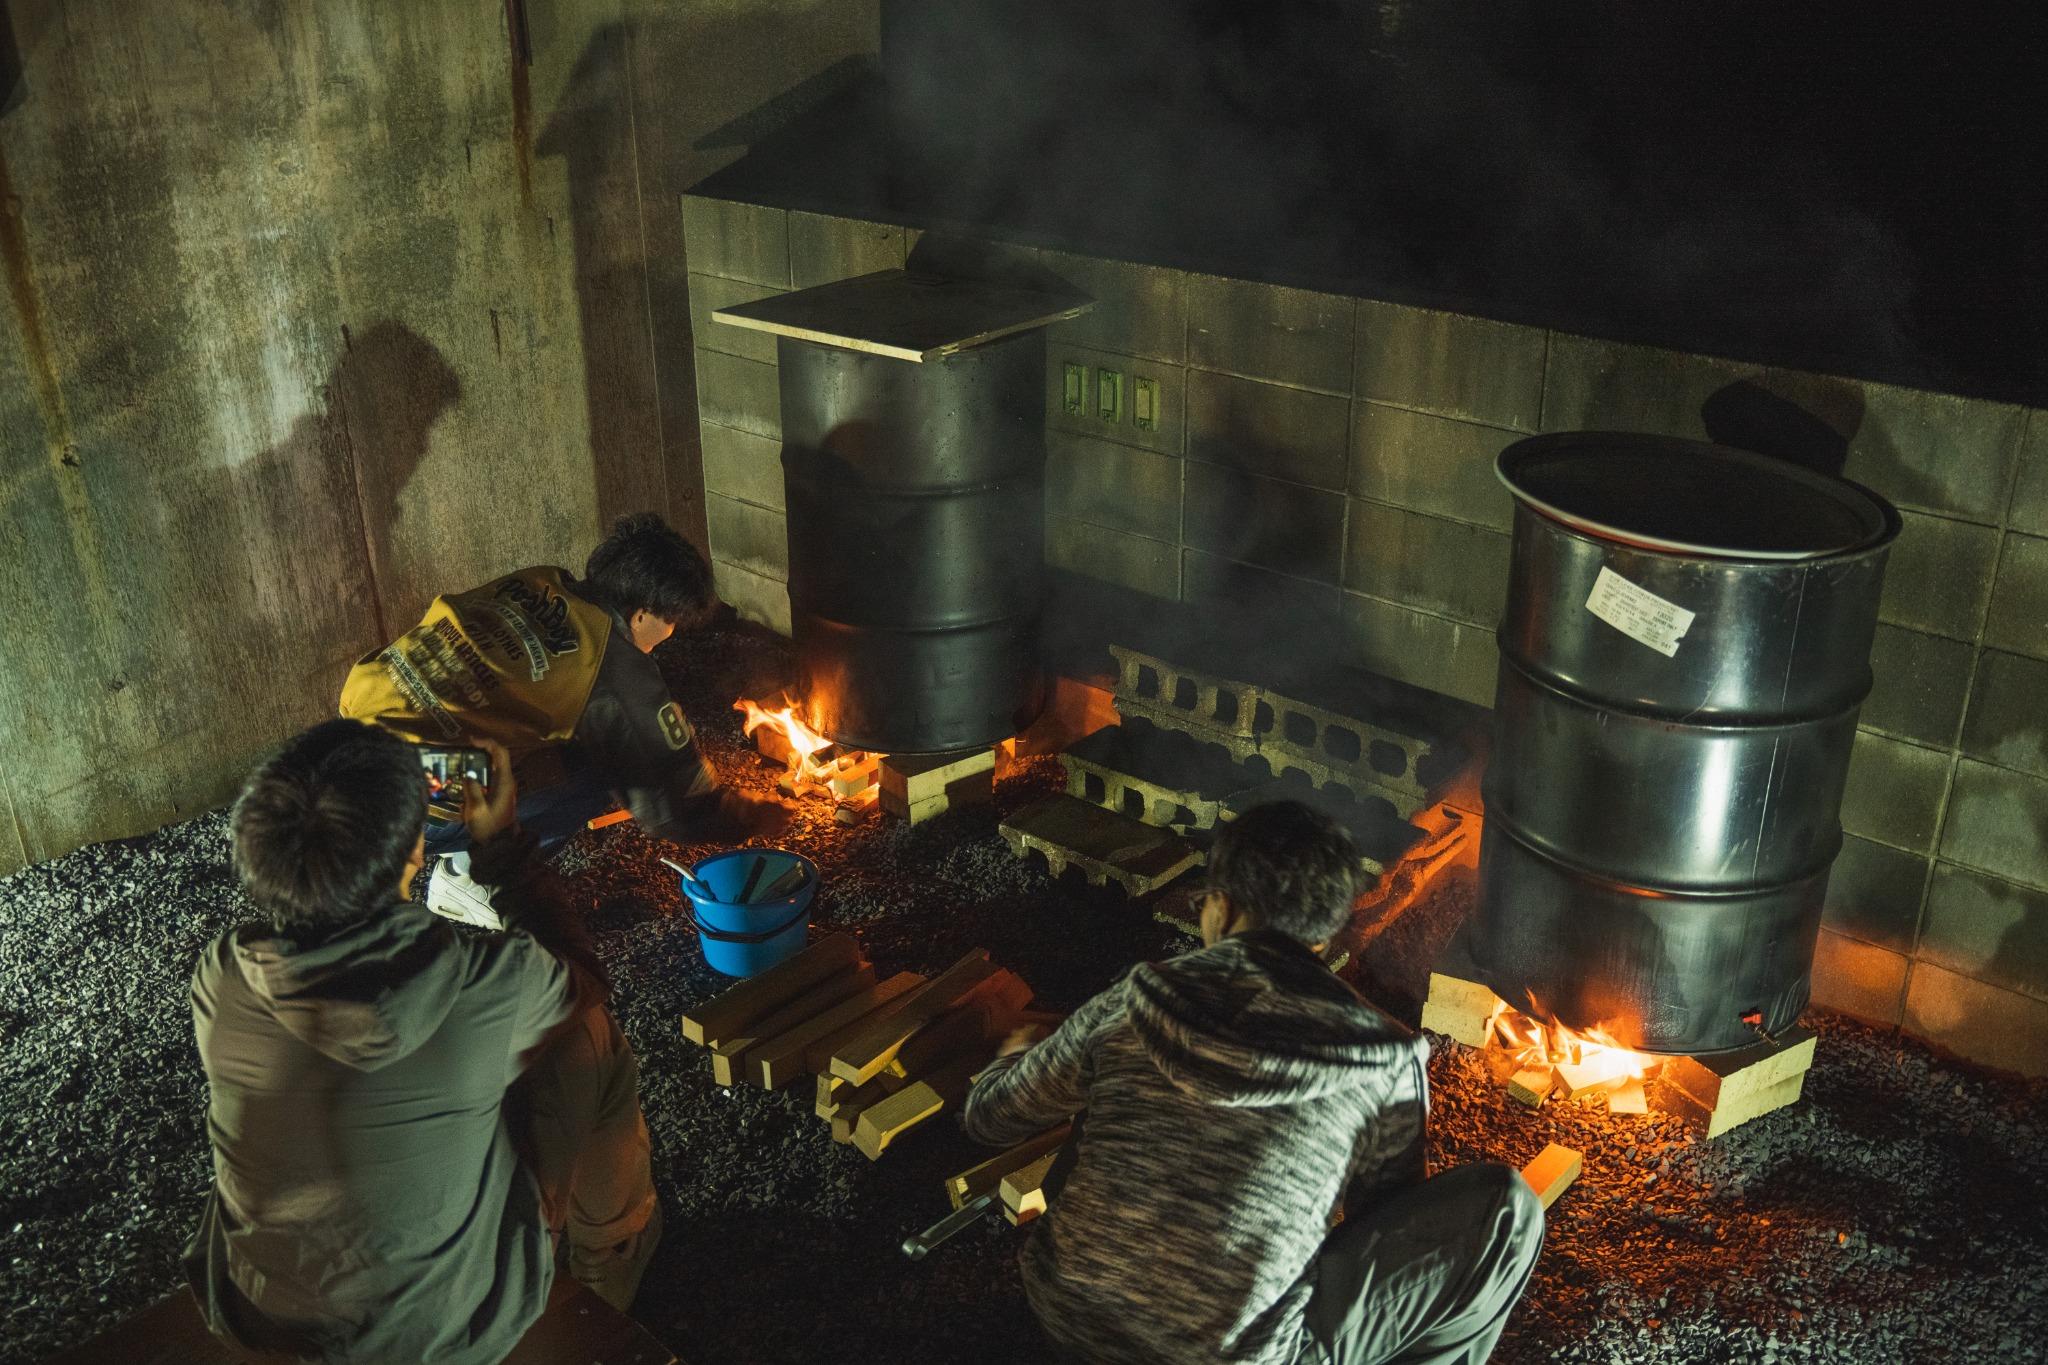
{"x":452,"y":894}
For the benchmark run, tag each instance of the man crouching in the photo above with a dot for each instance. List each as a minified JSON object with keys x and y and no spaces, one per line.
{"x":1234,"y":1098}
{"x":403,"y":1115}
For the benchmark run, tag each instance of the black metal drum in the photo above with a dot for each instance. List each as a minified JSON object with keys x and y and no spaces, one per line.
{"x":1686,"y":645}
{"x":916,"y":516}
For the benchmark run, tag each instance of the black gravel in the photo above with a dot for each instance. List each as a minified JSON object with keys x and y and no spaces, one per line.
{"x":1895,"y":1213}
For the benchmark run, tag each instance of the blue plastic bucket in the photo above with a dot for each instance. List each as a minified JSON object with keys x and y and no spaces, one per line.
{"x":747,"y":939}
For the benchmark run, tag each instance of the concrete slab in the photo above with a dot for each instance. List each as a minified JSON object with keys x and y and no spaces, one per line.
{"x":1104,"y":846}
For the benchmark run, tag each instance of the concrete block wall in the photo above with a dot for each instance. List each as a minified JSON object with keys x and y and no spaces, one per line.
{"x":1337,"y":452}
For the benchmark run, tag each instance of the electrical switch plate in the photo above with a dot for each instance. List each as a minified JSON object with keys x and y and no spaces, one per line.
{"x":1074,"y":388}
{"x":1145,"y":404}
{"x":1109,"y":395}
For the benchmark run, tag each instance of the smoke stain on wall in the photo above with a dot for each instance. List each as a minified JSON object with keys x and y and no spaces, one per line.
{"x":520,"y":47}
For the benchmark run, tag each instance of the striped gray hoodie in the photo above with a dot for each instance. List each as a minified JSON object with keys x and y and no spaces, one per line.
{"x":1231,"y":1094}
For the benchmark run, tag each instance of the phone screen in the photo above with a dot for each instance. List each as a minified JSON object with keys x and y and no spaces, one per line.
{"x":447,"y":769}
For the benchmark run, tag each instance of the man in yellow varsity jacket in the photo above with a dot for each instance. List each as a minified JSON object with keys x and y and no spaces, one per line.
{"x":543,"y":662}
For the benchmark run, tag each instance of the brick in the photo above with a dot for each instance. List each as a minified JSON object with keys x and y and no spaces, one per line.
{"x":742,"y":465}
{"x":1919,"y":684}
{"x":1984,"y":1023}
{"x":1874,"y":893}
{"x":708,"y":293}
{"x":1938,"y":576}
{"x":1446,"y":567}
{"x":757,"y":598}
{"x":1429,"y":464}
{"x":824,"y":248}
{"x":1858,"y":978}
{"x":1144,"y":565}
{"x":2018,"y":621}
{"x":744,"y":394}
{"x":1894,"y":792}
{"x":1165,"y":435}
{"x":1987,"y":928}
{"x":2008,"y":720}
{"x":1415,"y":647}
{"x":1998,"y":823}
{"x":753,"y":538}
{"x":1730,"y":1079}
{"x":1140,"y":310}
{"x":1261,"y":428}
{"x":1108,"y":484}
{"x":1459,"y":1009}
{"x":1265,"y":523}
{"x":1451,"y":364}
{"x":739,"y":241}
{"x":1552,"y":1172}
{"x":1103,"y":846}
{"x":2029,"y":511}
{"x":725,"y":1015}
{"x":1266,"y":331}
{"x":1532,"y":1085}
{"x":912,"y":778}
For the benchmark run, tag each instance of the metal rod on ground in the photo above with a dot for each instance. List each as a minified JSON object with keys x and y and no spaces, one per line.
{"x":916,"y":1247}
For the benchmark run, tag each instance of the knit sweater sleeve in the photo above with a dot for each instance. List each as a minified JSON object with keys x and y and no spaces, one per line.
{"x":1022,"y":1095}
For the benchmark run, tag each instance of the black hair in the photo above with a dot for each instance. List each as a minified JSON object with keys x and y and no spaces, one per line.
{"x":1290,"y":867}
{"x":324,"y":826}
{"x":644,"y":566}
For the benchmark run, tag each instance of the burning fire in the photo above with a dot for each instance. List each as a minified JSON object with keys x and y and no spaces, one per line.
{"x":1535,"y":1042}
{"x":800,"y":740}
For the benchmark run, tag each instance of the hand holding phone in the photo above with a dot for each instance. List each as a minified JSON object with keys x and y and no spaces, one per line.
{"x":449,"y":770}
{"x":491,"y":805}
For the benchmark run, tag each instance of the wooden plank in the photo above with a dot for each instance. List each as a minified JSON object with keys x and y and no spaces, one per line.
{"x":780,"y":1059}
{"x":869,"y":1049}
{"x":976,"y":1181}
{"x":1552,"y":1172}
{"x":908,"y":317}
{"x":978,"y":1022}
{"x":730,"y":1060}
{"x":849,"y":1102}
{"x":1532,"y":1085}
{"x":882,"y":1123}
{"x":725,"y":1015}
{"x":1459,"y":1009}
{"x":1024,"y":1189}
{"x":818,"y":1055}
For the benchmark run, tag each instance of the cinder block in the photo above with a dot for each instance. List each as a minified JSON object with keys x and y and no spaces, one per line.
{"x":1894,"y":792}
{"x":1858,"y":978}
{"x":2019,"y":602}
{"x":1268,"y":331}
{"x":2029,"y":511}
{"x":1986,"y":1024}
{"x":1937,"y":451}
{"x":1987,"y":928}
{"x":1938,"y":576}
{"x":762,"y":600}
{"x":1429,"y":464}
{"x":1107,"y":484}
{"x":708,"y":293}
{"x":1874,"y":893}
{"x":1268,"y":429}
{"x":753,"y":538}
{"x":1162,"y":777}
{"x":742,"y":465}
{"x":739,"y":241}
{"x":1452,"y":657}
{"x":1285,"y":527}
{"x":2008,"y":720}
{"x":1148,"y":566}
{"x":1095,"y":394}
{"x":1103,"y":846}
{"x":744,"y":394}
{"x":1448,"y":568}
{"x":1140,"y":310}
{"x":1919,"y":684}
{"x":824,"y":248}
{"x":1450,"y":364}
{"x":1998,"y":823}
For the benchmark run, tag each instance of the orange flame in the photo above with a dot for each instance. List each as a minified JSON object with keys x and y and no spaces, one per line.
{"x":1536,"y":1042}
{"x":800,"y":739}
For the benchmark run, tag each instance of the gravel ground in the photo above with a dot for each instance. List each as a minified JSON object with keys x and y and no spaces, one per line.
{"x":1893,"y":1214}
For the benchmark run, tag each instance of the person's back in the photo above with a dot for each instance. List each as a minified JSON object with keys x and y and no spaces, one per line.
{"x":380,"y":1193}
{"x":1233,"y":1100}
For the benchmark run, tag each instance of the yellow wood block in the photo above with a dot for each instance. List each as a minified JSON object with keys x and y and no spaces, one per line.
{"x":1552,"y":1172}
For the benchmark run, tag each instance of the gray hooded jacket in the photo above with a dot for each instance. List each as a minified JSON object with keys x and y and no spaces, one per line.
{"x":1231,"y":1096}
{"x":368,"y":1204}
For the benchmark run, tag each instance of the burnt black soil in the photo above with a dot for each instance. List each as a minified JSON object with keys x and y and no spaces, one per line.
{"x":1893,"y":1214}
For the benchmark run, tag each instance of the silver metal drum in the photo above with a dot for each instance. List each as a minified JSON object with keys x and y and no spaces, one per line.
{"x":916,"y":541}
{"x":1686,"y":644}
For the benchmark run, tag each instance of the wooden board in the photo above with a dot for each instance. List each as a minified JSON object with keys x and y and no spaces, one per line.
{"x":976,"y":1181}
{"x":869,"y":1049}
{"x":849,"y":1102}
{"x":730,"y":1060}
{"x":976,"y":1024}
{"x":883,"y":1122}
{"x":818,"y":1053}
{"x":724,"y":1016}
{"x":910,"y":317}
{"x":780,"y":1060}
{"x":1458,"y":1009}
{"x":1552,"y":1172}
{"x":1024,"y":1189}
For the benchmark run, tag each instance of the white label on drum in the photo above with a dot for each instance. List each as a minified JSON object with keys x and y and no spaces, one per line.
{"x":1639,"y":613}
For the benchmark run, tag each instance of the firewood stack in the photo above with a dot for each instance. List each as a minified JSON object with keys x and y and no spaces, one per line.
{"x":887,"y":1055}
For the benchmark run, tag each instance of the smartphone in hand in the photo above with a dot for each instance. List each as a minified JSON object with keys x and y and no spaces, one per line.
{"x":447,"y":769}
